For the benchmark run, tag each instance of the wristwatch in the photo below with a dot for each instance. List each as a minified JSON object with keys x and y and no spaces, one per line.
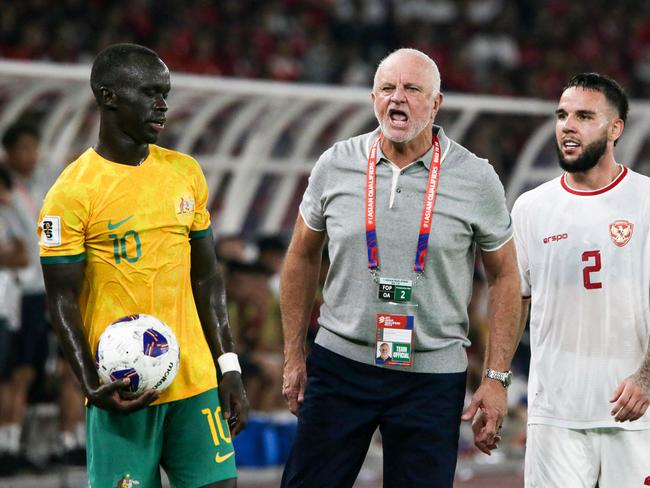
{"x":505,"y":377}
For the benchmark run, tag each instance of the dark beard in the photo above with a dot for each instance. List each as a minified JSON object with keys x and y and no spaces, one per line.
{"x":590,"y":157}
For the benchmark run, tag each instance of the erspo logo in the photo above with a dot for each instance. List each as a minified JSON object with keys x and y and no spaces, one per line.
{"x":556,"y":238}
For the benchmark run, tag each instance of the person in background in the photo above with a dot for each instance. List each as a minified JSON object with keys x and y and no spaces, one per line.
{"x":13,"y":258}
{"x":255,"y":318}
{"x":233,"y":247}
{"x":21,"y":142}
{"x":271,"y":252}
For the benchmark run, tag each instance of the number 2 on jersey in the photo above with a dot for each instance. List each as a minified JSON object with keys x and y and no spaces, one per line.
{"x":587,"y":280}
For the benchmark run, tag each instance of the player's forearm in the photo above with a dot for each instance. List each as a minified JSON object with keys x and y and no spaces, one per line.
{"x":643,"y":373}
{"x":299,"y":281}
{"x":63,"y":285}
{"x":68,"y":325}
{"x":209,"y":293}
{"x":210,"y":298}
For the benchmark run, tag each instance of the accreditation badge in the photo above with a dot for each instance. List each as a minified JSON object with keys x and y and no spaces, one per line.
{"x":394,"y":339}
{"x":392,"y":290}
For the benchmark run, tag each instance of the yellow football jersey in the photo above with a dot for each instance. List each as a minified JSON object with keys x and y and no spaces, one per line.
{"x":132,"y":225}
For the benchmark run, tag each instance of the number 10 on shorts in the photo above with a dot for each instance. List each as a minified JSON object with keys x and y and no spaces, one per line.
{"x":216,"y":426}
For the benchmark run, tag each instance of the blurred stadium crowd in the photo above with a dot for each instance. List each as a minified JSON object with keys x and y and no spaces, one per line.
{"x":500,"y":47}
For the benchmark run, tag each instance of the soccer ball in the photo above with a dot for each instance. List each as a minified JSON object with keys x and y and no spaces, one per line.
{"x":139,"y":347}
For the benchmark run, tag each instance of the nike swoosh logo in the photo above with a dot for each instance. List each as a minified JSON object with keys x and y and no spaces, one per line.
{"x":220,"y":459}
{"x":118,"y":223}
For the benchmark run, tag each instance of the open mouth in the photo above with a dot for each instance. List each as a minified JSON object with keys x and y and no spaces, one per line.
{"x":157,"y":125}
{"x":398,"y":117}
{"x":570,"y":144}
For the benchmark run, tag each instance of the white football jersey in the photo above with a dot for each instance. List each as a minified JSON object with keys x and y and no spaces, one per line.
{"x":584,"y":259}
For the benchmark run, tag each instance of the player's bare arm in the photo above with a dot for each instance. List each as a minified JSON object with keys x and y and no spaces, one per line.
{"x":63,"y":284}
{"x":504,"y":314}
{"x":210,"y":298}
{"x":632,"y":396}
{"x":299,"y":281}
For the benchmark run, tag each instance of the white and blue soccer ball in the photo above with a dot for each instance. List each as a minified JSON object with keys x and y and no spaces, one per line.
{"x":139,"y":347}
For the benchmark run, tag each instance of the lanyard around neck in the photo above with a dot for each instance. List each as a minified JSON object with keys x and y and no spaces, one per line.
{"x":427,"y":211}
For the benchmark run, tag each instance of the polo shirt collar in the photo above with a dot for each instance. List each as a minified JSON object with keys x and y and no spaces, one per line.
{"x":426,"y":157}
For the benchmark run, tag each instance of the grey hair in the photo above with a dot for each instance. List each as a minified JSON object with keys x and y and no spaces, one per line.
{"x":435,"y":72}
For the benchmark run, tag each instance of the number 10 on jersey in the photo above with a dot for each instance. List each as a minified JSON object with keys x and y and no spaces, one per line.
{"x":120,"y":243}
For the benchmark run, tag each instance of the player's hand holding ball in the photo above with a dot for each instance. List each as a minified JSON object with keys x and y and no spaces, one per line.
{"x":137,"y":358}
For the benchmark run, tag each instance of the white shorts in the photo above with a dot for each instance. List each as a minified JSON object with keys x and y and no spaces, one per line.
{"x":558,"y":457}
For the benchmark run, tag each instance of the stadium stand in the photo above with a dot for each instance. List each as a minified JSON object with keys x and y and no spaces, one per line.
{"x":501,"y":47}
{"x":257,"y":132}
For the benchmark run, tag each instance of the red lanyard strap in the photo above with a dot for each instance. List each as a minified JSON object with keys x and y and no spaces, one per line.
{"x":427,"y":211}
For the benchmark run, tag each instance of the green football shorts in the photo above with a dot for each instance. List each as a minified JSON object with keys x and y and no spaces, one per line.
{"x":189,"y":438}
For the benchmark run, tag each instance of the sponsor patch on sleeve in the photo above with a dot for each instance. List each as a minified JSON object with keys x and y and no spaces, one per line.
{"x":51,"y":230}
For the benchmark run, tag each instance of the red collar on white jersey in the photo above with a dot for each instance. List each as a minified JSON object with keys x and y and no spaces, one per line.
{"x":589,"y":193}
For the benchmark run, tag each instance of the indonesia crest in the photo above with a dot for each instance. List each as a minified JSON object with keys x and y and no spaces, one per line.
{"x":621,"y":232}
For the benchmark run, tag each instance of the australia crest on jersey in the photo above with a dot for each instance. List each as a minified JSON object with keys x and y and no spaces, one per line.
{"x":185,"y":205}
{"x":621,"y":232}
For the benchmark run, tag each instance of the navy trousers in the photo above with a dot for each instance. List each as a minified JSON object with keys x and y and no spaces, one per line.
{"x":418,"y":416}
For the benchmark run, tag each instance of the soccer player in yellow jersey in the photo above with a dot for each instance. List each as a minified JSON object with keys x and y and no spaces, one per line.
{"x":125,"y":230}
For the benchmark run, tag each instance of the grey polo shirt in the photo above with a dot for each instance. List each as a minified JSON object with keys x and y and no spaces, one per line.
{"x":470,"y":210}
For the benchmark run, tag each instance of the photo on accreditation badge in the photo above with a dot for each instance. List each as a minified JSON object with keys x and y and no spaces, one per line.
{"x":384,"y":353}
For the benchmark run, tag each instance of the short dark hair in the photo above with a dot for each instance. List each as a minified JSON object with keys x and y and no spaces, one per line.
{"x":614,"y":93}
{"x":17,"y":129}
{"x":107,"y":64}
